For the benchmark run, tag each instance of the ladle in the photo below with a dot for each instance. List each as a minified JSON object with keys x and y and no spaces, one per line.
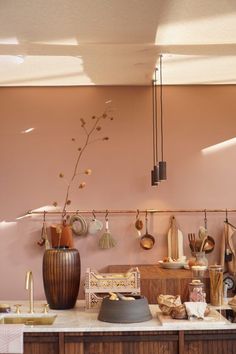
{"x":210,"y":242}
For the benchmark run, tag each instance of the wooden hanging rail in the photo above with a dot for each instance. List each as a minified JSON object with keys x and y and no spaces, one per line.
{"x":131,"y":211}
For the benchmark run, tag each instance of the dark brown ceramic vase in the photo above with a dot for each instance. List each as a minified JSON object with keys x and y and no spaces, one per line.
{"x":61,"y":277}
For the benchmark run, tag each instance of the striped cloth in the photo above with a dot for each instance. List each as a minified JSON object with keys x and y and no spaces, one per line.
{"x":11,"y":338}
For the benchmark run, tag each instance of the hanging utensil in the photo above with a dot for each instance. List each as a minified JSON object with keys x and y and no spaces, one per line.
{"x":44,"y":236}
{"x":210,"y":242}
{"x":203,"y":229}
{"x":229,"y":250}
{"x":78,"y":224}
{"x":106,"y":241}
{"x":204,"y":242}
{"x":175,"y":241}
{"x":192,"y":241}
{"x":138,"y":224}
{"x":147,"y":241}
{"x":95,"y":225}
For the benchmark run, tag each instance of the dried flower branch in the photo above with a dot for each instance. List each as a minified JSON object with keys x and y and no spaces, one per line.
{"x":89,"y":134}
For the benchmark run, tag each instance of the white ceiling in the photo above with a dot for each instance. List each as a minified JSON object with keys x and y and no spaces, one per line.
{"x":116,"y":42}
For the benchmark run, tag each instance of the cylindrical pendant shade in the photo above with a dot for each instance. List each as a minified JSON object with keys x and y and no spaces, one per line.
{"x":155,"y":175}
{"x":162,"y":171}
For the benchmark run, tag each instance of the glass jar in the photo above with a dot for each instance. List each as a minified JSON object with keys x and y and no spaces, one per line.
{"x":197,"y":291}
{"x":199,"y":265}
{"x":201,"y":259}
{"x":216,"y":284}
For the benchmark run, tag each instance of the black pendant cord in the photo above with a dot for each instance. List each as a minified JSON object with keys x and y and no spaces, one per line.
{"x":161,"y":111}
{"x":156,"y":123}
{"x":153,"y":125}
{"x":162,"y":163}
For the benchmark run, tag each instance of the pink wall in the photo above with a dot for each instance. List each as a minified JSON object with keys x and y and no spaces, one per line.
{"x":195,"y":117}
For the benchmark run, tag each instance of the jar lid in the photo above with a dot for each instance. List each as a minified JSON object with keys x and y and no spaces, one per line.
{"x":215,"y":267}
{"x":196,"y":282}
{"x":199,"y":267}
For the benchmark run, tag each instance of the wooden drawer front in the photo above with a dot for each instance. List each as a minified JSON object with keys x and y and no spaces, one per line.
{"x":122,"y":343}
{"x":210,"y":343}
{"x":35,"y":343}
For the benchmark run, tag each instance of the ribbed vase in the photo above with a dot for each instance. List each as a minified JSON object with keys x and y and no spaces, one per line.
{"x":61,"y":277}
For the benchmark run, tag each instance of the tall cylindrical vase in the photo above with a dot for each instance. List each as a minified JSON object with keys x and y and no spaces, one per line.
{"x":61,"y":277}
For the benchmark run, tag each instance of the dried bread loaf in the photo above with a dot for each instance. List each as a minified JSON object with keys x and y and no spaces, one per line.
{"x":179,"y":312}
{"x":168,"y":302}
{"x":165,"y":309}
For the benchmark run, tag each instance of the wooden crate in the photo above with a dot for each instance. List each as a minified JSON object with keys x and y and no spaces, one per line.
{"x":97,"y":285}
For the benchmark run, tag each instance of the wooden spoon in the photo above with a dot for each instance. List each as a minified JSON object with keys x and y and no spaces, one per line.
{"x":204,"y":241}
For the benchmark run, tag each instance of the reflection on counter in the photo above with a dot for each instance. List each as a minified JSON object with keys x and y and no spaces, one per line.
{"x":229,"y":314}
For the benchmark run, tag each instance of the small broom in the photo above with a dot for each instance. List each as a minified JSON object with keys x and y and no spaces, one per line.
{"x":107,"y":241}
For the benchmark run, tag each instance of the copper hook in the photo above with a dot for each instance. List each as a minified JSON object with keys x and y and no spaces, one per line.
{"x":106,"y":216}
{"x":93,"y":212}
{"x":205,"y":218}
{"x":137,"y":214}
{"x":226,"y":215}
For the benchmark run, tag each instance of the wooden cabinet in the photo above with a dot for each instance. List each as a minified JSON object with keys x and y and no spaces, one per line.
{"x":168,"y":342}
{"x":41,"y":343}
{"x":122,"y":343}
{"x":210,"y":342}
{"x":155,"y":280}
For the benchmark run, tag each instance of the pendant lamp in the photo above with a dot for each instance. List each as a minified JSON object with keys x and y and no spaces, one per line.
{"x":159,"y":171}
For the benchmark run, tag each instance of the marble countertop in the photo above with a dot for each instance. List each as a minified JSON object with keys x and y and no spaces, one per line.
{"x":80,"y":320}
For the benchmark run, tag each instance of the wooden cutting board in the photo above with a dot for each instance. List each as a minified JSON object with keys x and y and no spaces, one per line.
{"x":213,"y":317}
{"x":175,"y":241}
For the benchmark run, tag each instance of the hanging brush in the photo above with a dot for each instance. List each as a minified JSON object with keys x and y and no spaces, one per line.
{"x":44,"y":237}
{"x":107,"y":241}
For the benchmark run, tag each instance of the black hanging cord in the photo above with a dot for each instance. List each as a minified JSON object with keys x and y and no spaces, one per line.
{"x":156,"y":123}
{"x":162,"y":163}
{"x":153,"y":125}
{"x":161,"y":110}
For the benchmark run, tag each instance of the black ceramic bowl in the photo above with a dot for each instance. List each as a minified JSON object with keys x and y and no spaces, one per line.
{"x":124,"y":311}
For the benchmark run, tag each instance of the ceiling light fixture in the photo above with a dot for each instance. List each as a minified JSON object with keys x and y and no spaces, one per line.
{"x":159,"y":167}
{"x":29,"y":130}
{"x":219,"y":146}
